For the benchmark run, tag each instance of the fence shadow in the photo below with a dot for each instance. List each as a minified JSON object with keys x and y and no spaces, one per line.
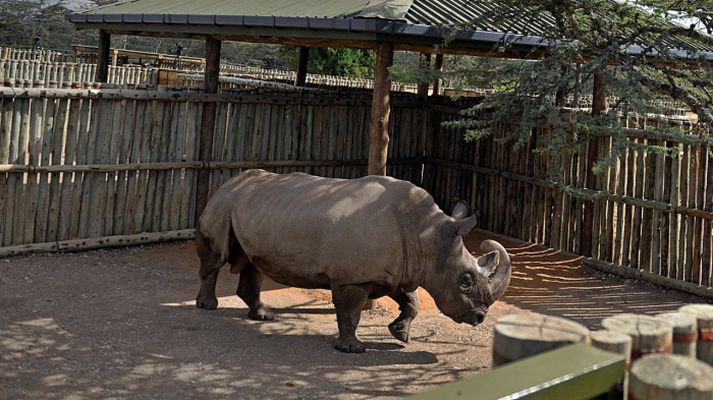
{"x":546,"y":281}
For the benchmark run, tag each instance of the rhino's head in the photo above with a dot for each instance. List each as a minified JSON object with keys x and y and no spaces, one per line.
{"x":464,"y":286}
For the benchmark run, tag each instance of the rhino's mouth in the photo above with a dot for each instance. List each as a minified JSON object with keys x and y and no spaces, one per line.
{"x":473,"y":318}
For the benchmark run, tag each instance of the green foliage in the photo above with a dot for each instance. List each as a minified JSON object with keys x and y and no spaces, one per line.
{"x":342,"y":62}
{"x":22,"y":20}
{"x":593,"y":37}
{"x":336,"y":61}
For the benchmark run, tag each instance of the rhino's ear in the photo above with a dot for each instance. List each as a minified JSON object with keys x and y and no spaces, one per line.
{"x":462,"y":227}
{"x":487,"y":263}
{"x":460,"y":210}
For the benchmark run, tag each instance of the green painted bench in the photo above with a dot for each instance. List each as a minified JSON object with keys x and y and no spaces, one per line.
{"x":578,"y":371}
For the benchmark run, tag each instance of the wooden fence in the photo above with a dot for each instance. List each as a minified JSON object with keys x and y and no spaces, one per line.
{"x":88,"y":167}
{"x":98,"y":167}
{"x":652,"y":214}
{"x":35,"y":73}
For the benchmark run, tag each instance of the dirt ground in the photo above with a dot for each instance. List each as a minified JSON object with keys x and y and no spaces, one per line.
{"x":122,"y":324}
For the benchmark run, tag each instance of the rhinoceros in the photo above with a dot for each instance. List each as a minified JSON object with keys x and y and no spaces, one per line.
{"x":361,"y":238}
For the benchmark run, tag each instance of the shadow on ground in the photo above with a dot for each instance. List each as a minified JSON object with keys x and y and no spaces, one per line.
{"x":122,"y":324}
{"x":548,"y":282}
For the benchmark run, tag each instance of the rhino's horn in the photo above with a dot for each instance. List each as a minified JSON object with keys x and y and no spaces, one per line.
{"x":500,"y":279}
{"x":460,"y":210}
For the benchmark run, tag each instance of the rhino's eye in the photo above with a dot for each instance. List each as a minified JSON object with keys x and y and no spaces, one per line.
{"x":465,"y":282}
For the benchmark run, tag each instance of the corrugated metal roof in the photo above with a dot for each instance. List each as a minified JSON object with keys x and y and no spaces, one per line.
{"x":412,"y":19}
{"x":386,"y":9}
{"x":464,"y":12}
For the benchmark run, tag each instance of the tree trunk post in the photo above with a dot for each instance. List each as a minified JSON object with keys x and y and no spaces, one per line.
{"x":425,"y":62}
{"x":599,"y":105}
{"x":103,"y":56}
{"x":438,"y":66}
{"x":301,"y":77}
{"x":380,"y":110}
{"x":212,"y":73}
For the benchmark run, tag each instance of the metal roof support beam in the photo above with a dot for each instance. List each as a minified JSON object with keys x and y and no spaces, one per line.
{"x":301,"y":77}
{"x":212,"y":72}
{"x":599,"y":106}
{"x":102,"y":74}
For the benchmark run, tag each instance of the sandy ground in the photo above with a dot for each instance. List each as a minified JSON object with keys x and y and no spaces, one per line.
{"x":122,"y":324}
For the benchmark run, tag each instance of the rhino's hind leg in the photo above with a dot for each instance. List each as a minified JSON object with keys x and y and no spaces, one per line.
{"x":408,"y":305}
{"x":349,"y":301}
{"x":210,"y":266}
{"x":249,"y":290}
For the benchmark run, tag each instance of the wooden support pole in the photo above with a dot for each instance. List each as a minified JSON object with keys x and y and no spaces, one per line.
{"x":103,"y":56}
{"x":425,"y":62}
{"x":212,"y":72}
{"x":114,"y":57}
{"x":599,"y":105}
{"x":438,"y":66}
{"x":301,"y":77}
{"x":380,"y":110}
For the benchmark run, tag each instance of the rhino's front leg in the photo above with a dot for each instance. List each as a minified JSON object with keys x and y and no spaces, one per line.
{"x":349,"y":301}
{"x":408,"y":305}
{"x":249,"y":290}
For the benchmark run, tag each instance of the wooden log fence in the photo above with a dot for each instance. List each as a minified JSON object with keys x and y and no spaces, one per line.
{"x":94,"y":163}
{"x":653,"y":215}
{"x":50,"y":74}
{"x":83,"y":167}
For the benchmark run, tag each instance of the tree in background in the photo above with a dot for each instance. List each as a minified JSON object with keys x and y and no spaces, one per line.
{"x":637,"y":47}
{"x":21,"y":21}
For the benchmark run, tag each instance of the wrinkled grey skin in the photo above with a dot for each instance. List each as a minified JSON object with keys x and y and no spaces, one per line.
{"x":362,"y":238}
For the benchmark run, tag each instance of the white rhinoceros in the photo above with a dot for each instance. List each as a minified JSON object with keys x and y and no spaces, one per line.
{"x":362,"y":238}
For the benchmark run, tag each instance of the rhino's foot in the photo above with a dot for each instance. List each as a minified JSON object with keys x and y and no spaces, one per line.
{"x":351,"y":345}
{"x":207,"y":303}
{"x":400,"y":330}
{"x":261,"y":314}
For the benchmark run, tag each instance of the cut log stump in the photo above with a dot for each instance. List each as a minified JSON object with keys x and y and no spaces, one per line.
{"x":704,"y":319}
{"x":522,"y":335}
{"x":669,"y":377}
{"x":685,"y":332}
{"x":649,"y":335}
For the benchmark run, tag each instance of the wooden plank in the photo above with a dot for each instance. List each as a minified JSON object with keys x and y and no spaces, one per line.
{"x":43,"y":193}
{"x":7,"y":130}
{"x":121,"y":214}
{"x":35,"y":132}
{"x":115,"y":180}
{"x":59,"y":138}
{"x":578,"y":371}
{"x":647,"y":224}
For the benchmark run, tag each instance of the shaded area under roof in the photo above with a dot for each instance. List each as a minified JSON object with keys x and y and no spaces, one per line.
{"x":416,"y":25}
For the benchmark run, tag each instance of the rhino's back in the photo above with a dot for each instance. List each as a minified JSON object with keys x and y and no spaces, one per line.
{"x":304,"y":230}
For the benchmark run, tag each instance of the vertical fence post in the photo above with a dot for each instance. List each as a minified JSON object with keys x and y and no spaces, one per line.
{"x":380,"y":110}
{"x":301,"y":76}
{"x":103,"y":56}
{"x":599,"y":105}
{"x":212,"y":72}
{"x":438,"y":66}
